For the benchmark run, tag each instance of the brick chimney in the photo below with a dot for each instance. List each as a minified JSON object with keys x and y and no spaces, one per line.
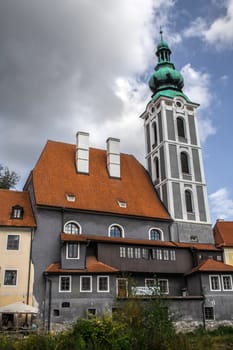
{"x":113,"y":157}
{"x":82,"y":152}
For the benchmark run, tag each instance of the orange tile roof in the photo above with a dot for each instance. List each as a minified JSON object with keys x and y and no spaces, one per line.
{"x":8,"y":199}
{"x":223,"y":233}
{"x":197,"y":246}
{"x":92,"y":266}
{"x":55,"y":175}
{"x":211,"y":265}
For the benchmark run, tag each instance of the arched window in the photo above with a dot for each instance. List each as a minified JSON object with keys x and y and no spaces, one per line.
{"x":189,"y":201}
{"x":72,"y":228}
{"x":155,"y":134}
{"x":184,"y":163}
{"x":115,"y":231}
{"x":157,"y":173}
{"x":156,"y":234}
{"x":180,"y":127}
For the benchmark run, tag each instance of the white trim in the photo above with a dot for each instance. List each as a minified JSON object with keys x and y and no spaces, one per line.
{"x":161,"y":234}
{"x":86,"y":291}
{"x":167,"y":283}
{"x":13,"y":234}
{"x":121,"y":227}
{"x":226,"y":290}
{"x":219,"y":282}
{"x":70,"y":280}
{"x":17,"y":276}
{"x":102,"y":291}
{"x":67,"y":248}
{"x":72,"y":222}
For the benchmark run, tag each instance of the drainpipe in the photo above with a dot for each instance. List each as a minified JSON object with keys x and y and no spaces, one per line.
{"x":50,"y":299}
{"x":29,"y":267}
{"x":48,"y":282}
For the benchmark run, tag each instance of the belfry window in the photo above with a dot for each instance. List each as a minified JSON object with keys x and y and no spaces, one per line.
{"x":184,"y":163}
{"x":155,"y":135}
{"x":157,"y":173}
{"x":180,"y":127}
{"x":189,"y":201}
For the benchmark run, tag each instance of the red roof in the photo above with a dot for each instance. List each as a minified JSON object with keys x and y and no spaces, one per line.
{"x":9,"y":199}
{"x":223,"y":233}
{"x":55,"y":175}
{"x":211,"y":265}
{"x":92,"y":266}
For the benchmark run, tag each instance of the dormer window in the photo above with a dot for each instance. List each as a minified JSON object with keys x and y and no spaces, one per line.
{"x":122,"y":204}
{"x":70,"y":197}
{"x":17,"y":212}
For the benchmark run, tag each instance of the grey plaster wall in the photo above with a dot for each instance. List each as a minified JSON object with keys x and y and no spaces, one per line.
{"x":192,"y":129}
{"x":160,"y":127}
{"x":162,"y":163}
{"x":201,"y":203}
{"x":185,"y":230}
{"x":196,"y":165}
{"x":170,"y":126}
{"x":177,"y":200}
{"x":164,"y":192}
{"x":174,"y":161}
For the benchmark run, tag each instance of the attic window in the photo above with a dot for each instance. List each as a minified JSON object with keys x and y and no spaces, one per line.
{"x":122,"y":204}
{"x":194,"y":238}
{"x":17,"y":212}
{"x":70,"y":197}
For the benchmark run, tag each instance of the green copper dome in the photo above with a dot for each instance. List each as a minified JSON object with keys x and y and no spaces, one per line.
{"x":166,"y":80}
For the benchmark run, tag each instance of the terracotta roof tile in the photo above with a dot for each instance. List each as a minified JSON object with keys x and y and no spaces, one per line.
{"x":8,"y":199}
{"x":223,"y":233}
{"x":55,"y":175}
{"x":211,"y":265}
{"x":92,"y":266}
{"x":197,"y":246}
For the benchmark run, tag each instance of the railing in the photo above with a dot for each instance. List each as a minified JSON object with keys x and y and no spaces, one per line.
{"x":145,"y":291}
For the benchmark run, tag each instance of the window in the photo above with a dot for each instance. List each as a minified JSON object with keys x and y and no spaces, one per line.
{"x":91,"y":313}
{"x":144,"y":253}
{"x":157,"y":173}
{"x":56,"y":312}
{"x":209,"y":313}
{"x":10,"y":278}
{"x":13,"y":242}
{"x":102,"y":283}
{"x":155,"y":135}
{"x":65,"y":304}
{"x":137,"y":253}
{"x":227,"y":282}
{"x":72,"y":251}
{"x":70,"y":197}
{"x":184,"y":163}
{"x":116,"y":231}
{"x":64,"y":283}
{"x":130,"y":253}
{"x":166,"y":254}
{"x":159,"y":254}
{"x":122,"y":204}
{"x":163,"y":286}
{"x":180,"y":127}
{"x":155,"y":234}
{"x":215,"y":283}
{"x":72,"y":228}
{"x":188,"y":201}
{"x":122,"y":252}
{"x":85,"y":284}
{"x":17,"y":212}
{"x":173,"y":255}
{"x":150,"y":282}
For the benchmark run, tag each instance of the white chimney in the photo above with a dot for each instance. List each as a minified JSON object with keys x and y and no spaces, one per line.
{"x":82,"y":152}
{"x":113,"y":157}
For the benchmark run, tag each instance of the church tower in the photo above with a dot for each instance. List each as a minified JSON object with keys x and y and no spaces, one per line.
{"x":173,"y":152}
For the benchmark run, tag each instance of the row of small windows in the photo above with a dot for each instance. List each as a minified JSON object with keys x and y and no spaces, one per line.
{"x":116,"y":231}
{"x":147,"y":253}
{"x":218,"y":283}
{"x":65,"y":284}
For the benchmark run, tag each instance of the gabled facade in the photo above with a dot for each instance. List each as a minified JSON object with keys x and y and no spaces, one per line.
{"x":223,"y":234}
{"x":17,"y":226}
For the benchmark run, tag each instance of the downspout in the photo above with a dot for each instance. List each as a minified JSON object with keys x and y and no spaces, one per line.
{"x":203,"y":303}
{"x":29,"y":267}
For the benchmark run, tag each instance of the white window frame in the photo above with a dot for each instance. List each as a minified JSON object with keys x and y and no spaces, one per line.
{"x":13,"y":234}
{"x":98,"y":284}
{"x":67,"y":249}
{"x":72,"y":222}
{"x":137,"y":253}
{"x":150,"y":279}
{"x":86,"y":291}
{"x":160,"y":231}
{"x":120,"y":227}
{"x":167,"y":283}
{"x":122,"y":252}
{"x":130,"y":252}
{"x":166,"y":254}
{"x":172,"y":255}
{"x":159,"y":254}
{"x":17,"y":276}
{"x":70,"y":281}
{"x":229,"y":276}
{"x":219,"y":282}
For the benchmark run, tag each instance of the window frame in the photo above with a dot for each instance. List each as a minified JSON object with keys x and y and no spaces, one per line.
{"x":67,"y":250}
{"x":167,"y":285}
{"x":179,"y":127}
{"x":148,"y":284}
{"x":159,"y":231}
{"x":189,"y":205}
{"x":185,"y":163}
{"x":7,"y":242}
{"x":4,"y":277}
{"x":17,"y":212}
{"x":121,"y":229}
{"x":70,"y":282}
{"x":75,"y":223}
{"x":98,"y":284}
{"x":223,"y":288}
{"x":211,"y":285}
{"x":212,"y":308}
{"x":81,"y":284}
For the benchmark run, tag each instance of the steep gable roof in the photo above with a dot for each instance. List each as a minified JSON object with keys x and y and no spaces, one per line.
{"x":223,"y":233}
{"x":9,"y":199}
{"x":55,"y":175}
{"x":211,"y":265}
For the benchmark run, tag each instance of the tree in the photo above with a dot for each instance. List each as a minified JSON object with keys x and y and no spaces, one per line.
{"x":8,"y":179}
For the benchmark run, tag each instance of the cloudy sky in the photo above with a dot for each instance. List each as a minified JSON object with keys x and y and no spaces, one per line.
{"x":83,"y":65}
